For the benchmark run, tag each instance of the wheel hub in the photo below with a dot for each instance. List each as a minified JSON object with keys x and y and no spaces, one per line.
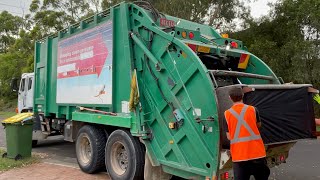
{"x":85,"y":150}
{"x":119,"y":158}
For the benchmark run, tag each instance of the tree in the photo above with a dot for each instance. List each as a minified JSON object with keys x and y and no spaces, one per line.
{"x":219,"y":14}
{"x":9,"y":29}
{"x":288,"y":40}
{"x":51,"y":16}
{"x":290,"y":35}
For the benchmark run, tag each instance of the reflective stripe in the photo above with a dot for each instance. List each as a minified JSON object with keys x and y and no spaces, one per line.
{"x":241,"y":121}
{"x":250,"y":159}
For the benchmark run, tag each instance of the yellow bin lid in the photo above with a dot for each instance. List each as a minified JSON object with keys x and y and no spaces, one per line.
{"x":17,"y":118}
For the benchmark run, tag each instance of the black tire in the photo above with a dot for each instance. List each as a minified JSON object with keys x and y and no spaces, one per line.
{"x":4,"y":155}
{"x":18,"y":157}
{"x":93,"y":139}
{"x":34,"y":143}
{"x":124,"y":156}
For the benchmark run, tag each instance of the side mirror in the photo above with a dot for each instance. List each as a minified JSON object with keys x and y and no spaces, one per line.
{"x":14,"y":85}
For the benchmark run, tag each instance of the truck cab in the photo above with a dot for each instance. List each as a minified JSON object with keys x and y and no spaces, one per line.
{"x":25,"y":93}
{"x":25,"y":89}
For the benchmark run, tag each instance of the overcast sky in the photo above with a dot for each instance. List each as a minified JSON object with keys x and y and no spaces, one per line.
{"x":18,"y":7}
{"x":259,"y":7}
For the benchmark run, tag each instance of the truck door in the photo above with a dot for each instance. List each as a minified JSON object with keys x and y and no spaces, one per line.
{"x":21,"y":95}
{"x":29,"y":93}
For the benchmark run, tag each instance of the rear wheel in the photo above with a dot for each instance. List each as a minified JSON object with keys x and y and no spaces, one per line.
{"x":124,"y":156}
{"x":90,"y":146}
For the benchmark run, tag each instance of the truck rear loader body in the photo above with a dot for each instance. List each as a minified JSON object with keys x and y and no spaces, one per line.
{"x":143,"y":94}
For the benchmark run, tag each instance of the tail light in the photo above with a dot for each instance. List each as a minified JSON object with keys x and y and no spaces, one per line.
{"x":191,"y":35}
{"x":17,"y":111}
{"x":224,"y":176}
{"x":282,"y":158}
{"x":234,"y":44}
{"x":193,"y":47}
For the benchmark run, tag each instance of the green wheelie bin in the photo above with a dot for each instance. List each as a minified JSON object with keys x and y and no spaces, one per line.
{"x":18,"y":136}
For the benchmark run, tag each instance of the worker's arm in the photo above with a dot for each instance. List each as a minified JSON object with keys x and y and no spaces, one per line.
{"x":227,"y":131}
{"x":228,"y":135}
{"x":259,"y":124}
{"x":258,"y":117}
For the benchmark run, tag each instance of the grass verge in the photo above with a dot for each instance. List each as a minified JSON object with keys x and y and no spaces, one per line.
{"x":4,"y":115}
{"x":6,"y":163}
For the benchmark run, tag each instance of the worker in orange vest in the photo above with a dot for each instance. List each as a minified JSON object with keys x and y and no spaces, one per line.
{"x":246,"y":146}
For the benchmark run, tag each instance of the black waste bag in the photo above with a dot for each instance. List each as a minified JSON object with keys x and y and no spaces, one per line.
{"x":286,"y":114}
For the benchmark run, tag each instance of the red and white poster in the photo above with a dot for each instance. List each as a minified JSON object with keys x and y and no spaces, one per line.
{"x":84,"y":67}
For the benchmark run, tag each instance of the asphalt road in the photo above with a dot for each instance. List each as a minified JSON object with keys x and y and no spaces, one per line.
{"x":303,"y":162}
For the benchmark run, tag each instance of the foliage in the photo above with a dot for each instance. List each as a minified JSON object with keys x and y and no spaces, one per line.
{"x":219,"y":14}
{"x":288,"y":40}
{"x":8,"y":30}
{"x":8,"y":104}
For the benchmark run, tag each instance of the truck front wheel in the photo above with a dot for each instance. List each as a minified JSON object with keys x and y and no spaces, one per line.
{"x":90,"y":146}
{"x":124,"y":156}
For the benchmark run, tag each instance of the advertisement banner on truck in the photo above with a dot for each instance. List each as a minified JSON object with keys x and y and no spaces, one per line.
{"x":84,"y":67}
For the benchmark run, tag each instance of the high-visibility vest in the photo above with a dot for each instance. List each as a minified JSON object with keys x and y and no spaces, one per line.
{"x":245,"y":140}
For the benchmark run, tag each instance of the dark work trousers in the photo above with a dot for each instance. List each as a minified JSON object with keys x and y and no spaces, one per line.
{"x":257,"y":167}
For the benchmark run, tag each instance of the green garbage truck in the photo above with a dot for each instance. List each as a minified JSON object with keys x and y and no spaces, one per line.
{"x":142,"y":94}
